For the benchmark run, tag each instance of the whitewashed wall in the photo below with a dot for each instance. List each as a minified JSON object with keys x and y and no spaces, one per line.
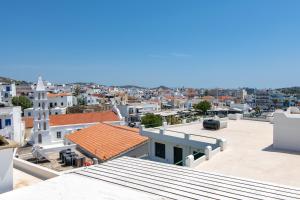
{"x":6,"y":170}
{"x":286,"y":132}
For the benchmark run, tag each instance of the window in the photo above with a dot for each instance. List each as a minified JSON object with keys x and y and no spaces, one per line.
{"x":29,"y":114}
{"x":8,"y":122}
{"x":40,"y":140}
{"x":55,"y":104}
{"x":45,"y":126}
{"x":160,"y":150}
{"x":7,"y":89}
{"x":58,"y":134}
{"x":130,"y":110}
{"x":61,"y":103}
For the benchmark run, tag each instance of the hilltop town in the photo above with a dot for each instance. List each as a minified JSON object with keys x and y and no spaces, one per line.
{"x":54,"y":129}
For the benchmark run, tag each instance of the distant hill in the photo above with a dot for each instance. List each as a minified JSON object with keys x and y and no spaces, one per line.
{"x":290,"y":90}
{"x":131,"y":86}
{"x":9,"y":80}
{"x":162,"y":88}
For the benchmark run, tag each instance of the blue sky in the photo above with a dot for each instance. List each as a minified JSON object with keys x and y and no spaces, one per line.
{"x":192,"y":43}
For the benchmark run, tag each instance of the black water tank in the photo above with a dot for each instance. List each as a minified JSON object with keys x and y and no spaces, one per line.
{"x":211,"y":124}
{"x":68,"y":161}
{"x":61,"y":154}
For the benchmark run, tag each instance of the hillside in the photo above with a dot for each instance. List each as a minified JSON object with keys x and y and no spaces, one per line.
{"x":9,"y":80}
{"x":290,"y":90}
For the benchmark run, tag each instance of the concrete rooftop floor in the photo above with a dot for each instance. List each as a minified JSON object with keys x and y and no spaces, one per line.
{"x":249,"y":153}
{"x":22,"y":179}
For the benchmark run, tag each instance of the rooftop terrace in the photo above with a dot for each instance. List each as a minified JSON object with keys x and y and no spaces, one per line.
{"x":248,"y":154}
{"x":22,"y":179}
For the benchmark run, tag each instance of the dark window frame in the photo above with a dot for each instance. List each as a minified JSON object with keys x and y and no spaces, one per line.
{"x":160,"y":150}
{"x":7,"y":122}
{"x":58,"y":134}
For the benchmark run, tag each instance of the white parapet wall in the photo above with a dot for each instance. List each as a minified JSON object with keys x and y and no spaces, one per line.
{"x":286,"y":132}
{"x":34,"y":170}
{"x":236,"y":116}
{"x":6,"y":170}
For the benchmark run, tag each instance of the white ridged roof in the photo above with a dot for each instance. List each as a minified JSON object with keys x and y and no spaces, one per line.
{"x":174,"y":182}
{"x":130,"y":178}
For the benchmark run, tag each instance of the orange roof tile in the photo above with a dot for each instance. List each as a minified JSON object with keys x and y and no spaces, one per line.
{"x":53,"y":95}
{"x":106,"y":141}
{"x":224,"y":98}
{"x":208,"y":98}
{"x":98,"y":95}
{"x":78,"y":118}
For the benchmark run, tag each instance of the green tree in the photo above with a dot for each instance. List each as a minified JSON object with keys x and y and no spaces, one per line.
{"x":275,"y":103}
{"x":81,"y":101}
{"x":22,"y":101}
{"x":257,"y":110}
{"x":202,"y":107}
{"x":150,"y":120}
{"x":77,"y":90}
{"x":173,"y":120}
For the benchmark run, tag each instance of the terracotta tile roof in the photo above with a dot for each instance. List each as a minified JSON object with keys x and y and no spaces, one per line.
{"x":224,"y":98}
{"x":106,"y":141}
{"x":78,"y":118}
{"x":53,"y":95}
{"x":208,"y":98}
{"x":98,"y":95}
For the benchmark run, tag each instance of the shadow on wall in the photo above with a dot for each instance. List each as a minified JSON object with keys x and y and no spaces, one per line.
{"x":272,"y":149}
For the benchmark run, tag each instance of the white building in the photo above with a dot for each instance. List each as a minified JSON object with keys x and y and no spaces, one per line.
{"x":28,"y":112}
{"x":7,"y":92}
{"x":41,"y":133}
{"x":171,"y":144}
{"x":61,"y":100}
{"x":61,"y":125}
{"x":286,"y":134}
{"x":57,"y":111}
{"x":57,"y":104}
{"x":134,"y":111}
{"x":240,"y":107}
{"x":91,"y":99}
{"x":6,"y":166}
{"x":11,"y":125}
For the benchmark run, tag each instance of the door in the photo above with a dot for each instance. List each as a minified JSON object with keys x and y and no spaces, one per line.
{"x":178,"y":159}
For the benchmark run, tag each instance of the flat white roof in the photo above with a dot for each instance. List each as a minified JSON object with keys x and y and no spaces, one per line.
{"x":22,"y":179}
{"x":249,"y":152}
{"x":131,"y":178}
